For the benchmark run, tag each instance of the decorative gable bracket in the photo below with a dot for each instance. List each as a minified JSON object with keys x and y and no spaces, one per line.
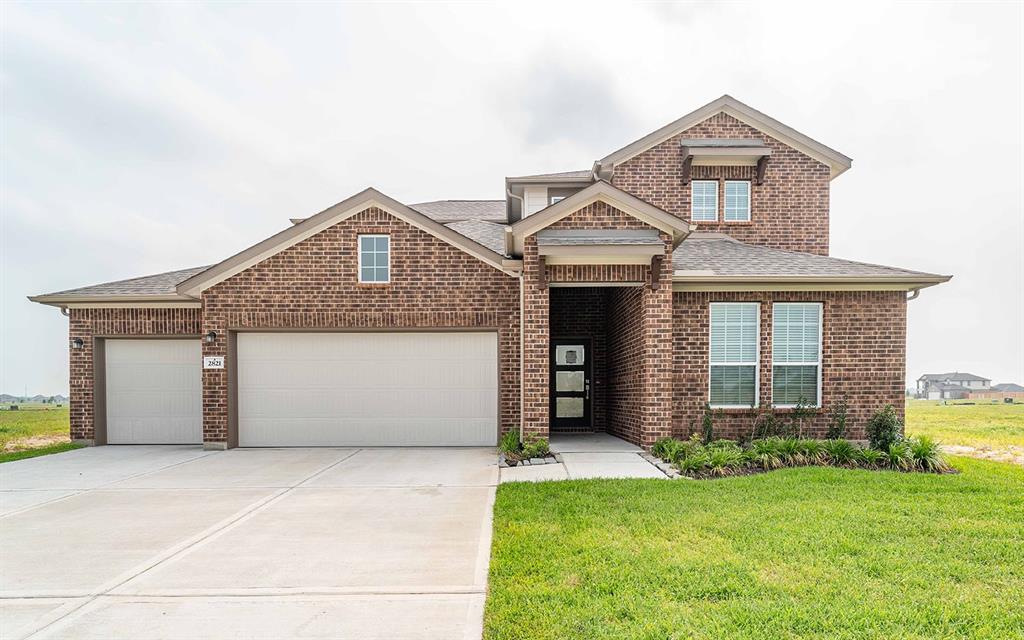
{"x":724,"y":152}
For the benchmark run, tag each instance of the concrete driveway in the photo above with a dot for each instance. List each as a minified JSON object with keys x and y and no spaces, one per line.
{"x":176,"y":542}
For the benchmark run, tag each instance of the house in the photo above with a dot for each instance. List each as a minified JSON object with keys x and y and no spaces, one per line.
{"x":948,"y":385}
{"x":690,"y":266}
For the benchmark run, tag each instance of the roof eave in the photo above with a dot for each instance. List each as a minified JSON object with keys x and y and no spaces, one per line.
{"x":55,"y":300}
{"x":821,"y":283}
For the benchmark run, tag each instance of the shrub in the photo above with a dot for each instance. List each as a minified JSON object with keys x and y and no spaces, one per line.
{"x":789,"y":451}
{"x":765,"y":423}
{"x":899,"y":456}
{"x":730,"y":445}
{"x":693,"y":463}
{"x":812,"y":450}
{"x":707,"y":423}
{"x":661,"y":447}
{"x":870,"y":458}
{"x":536,"y":449}
{"x":841,"y":452}
{"x":927,"y":455}
{"x":722,"y":461}
{"x":765,"y":453}
{"x":509,"y":442}
{"x":801,"y":412}
{"x":837,"y":419}
{"x":884,"y":429}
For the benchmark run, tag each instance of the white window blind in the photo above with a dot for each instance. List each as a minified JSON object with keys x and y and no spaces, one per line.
{"x":704,"y":200}
{"x":796,"y":353}
{"x":734,"y":354}
{"x":737,"y":201}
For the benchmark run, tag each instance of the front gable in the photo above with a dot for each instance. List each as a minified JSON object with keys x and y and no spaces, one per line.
{"x":367,"y":200}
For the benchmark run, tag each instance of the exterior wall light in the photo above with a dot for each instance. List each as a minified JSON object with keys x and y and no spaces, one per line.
{"x":211,"y":337}
{"x":77,"y":343}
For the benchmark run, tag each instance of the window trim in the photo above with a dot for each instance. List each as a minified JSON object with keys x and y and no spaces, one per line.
{"x":359,"y":254}
{"x":821,"y":355}
{"x":718,"y":202}
{"x":750,"y":200}
{"x":555,"y":199}
{"x":757,"y":358}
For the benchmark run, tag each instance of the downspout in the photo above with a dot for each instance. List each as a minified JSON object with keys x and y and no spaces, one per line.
{"x":913,"y":296}
{"x":522,"y":203}
{"x":64,"y":311}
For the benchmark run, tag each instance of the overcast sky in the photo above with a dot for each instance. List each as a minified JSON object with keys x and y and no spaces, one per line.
{"x":145,"y":138}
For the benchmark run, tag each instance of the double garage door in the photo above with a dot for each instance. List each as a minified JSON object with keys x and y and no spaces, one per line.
{"x":314,"y":389}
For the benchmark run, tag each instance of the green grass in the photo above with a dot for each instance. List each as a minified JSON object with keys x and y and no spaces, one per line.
{"x":798,"y":553}
{"x":975,"y":425}
{"x":21,"y":454}
{"x":33,"y":430}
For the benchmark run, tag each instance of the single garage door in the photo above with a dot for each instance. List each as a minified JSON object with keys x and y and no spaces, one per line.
{"x":154,"y":391}
{"x":367,"y":389}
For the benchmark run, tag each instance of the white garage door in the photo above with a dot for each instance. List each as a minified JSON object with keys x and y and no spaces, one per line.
{"x":154,"y":391}
{"x":367,"y":389}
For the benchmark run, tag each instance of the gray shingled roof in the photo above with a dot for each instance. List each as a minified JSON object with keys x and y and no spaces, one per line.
{"x":455,"y":210}
{"x":956,"y":375}
{"x":489,"y":234}
{"x":155,"y":285}
{"x":1007,"y":386}
{"x":570,"y":175}
{"x":714,"y":254}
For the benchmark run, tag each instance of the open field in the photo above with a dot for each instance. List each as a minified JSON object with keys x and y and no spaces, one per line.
{"x":979,"y":424}
{"x":38,"y":428}
{"x":797,"y":553}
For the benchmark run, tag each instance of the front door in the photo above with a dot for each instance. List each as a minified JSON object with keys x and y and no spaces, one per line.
{"x":570,"y":384}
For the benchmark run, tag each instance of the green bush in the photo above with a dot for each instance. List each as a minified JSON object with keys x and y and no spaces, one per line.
{"x":509,"y":442}
{"x":899,"y":456}
{"x":927,"y":455}
{"x":840,"y":452}
{"x":693,"y":463}
{"x":723,"y":460}
{"x":764,"y":453}
{"x":789,"y":451}
{"x":536,"y":448}
{"x":837,"y":419}
{"x":730,"y":445}
{"x":813,"y":451}
{"x":884,"y":429}
{"x":662,"y":446}
{"x":870,"y":458}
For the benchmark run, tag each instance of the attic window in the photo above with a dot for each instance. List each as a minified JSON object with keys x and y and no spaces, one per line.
{"x":737,"y":201}
{"x":375,"y":258}
{"x":704,"y":201}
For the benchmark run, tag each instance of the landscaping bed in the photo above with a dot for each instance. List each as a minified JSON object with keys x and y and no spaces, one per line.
{"x":513,"y":452}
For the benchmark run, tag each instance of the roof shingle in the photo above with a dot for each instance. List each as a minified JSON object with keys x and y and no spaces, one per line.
{"x":445,"y":211}
{"x":154,"y":285}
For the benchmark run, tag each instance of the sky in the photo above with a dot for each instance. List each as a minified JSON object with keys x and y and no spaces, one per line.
{"x":140,"y":138}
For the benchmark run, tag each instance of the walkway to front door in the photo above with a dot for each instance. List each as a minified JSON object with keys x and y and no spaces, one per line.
{"x":587,"y":455}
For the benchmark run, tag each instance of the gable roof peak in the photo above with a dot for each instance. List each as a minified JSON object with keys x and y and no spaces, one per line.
{"x":837,"y":162}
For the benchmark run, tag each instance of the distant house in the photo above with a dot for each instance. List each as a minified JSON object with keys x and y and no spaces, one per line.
{"x":1008,"y":387}
{"x":944,"y":386}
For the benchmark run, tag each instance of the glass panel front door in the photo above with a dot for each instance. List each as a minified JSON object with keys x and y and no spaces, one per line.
{"x":570,"y":383}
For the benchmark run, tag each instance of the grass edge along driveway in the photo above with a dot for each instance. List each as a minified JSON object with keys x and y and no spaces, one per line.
{"x":796,"y":553}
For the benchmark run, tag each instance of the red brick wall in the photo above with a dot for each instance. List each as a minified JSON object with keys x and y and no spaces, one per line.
{"x":863,"y":356}
{"x":536,"y":344}
{"x":625,"y":362}
{"x":90,"y":324}
{"x":580,"y":312}
{"x":314,"y":285}
{"x":789,"y":211}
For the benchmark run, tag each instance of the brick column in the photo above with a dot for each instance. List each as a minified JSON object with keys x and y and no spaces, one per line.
{"x":81,"y":381}
{"x":536,"y":345}
{"x":215,"y":383}
{"x":656,"y":373}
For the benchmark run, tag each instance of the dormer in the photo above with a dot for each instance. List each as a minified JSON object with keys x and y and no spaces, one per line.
{"x":526,"y":195}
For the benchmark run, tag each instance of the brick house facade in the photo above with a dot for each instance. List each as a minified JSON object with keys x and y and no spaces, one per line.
{"x":610,"y":258}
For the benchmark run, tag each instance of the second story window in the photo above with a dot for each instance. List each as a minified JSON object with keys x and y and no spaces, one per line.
{"x":737,"y":201}
{"x":704,"y":200}
{"x":375,"y":258}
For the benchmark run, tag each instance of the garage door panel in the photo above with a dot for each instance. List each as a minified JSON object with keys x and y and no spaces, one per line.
{"x":154,"y":391}
{"x":367,"y":389}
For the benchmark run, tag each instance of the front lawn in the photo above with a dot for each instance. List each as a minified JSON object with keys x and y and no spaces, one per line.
{"x":979,"y":424}
{"x":34,"y":430}
{"x":804,"y":552}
